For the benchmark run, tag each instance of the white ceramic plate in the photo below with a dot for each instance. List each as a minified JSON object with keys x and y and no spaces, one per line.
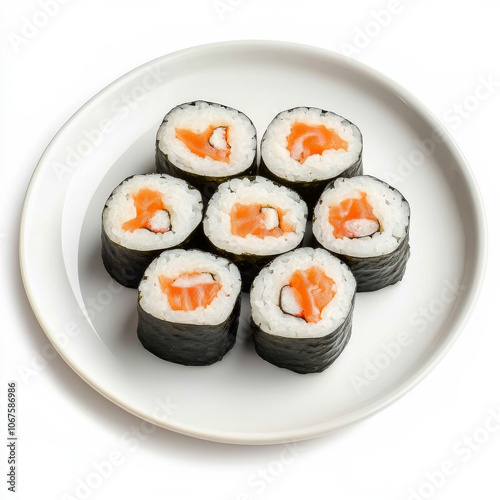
{"x":399,"y":333}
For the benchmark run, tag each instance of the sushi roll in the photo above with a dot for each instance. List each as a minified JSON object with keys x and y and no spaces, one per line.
{"x":189,"y":307}
{"x":145,"y":215}
{"x":205,"y":144}
{"x":302,"y":306}
{"x":366,"y":223}
{"x":305,"y":148}
{"x":251,"y":220}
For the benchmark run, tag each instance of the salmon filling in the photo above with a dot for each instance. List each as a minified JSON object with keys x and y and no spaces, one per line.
{"x":213,"y":142}
{"x":190,"y":291}
{"x":307,"y":140}
{"x":151,"y":212}
{"x":258,"y":220}
{"x":307,"y":294}
{"x":353,"y":218}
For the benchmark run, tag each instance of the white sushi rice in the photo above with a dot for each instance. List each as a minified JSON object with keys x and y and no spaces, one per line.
{"x":174,"y":263}
{"x":183,"y":203}
{"x":331,"y":163}
{"x":217,"y":222}
{"x":388,"y":205}
{"x":266,"y":290}
{"x":197,"y":117}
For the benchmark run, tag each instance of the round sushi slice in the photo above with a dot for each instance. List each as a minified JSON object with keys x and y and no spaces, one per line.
{"x":302,"y":305}
{"x":189,"y":307}
{"x":206,"y":143}
{"x":251,"y":220}
{"x":305,"y":148}
{"x":366,"y":223}
{"x":145,"y":215}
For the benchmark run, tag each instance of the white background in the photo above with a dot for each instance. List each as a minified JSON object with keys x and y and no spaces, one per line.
{"x":440,"y":51}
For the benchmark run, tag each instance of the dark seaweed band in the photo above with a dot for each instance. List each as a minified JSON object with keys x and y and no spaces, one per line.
{"x":127,"y":266}
{"x":374,"y":273}
{"x":123,"y":264}
{"x":310,"y":191}
{"x":205,"y":184}
{"x":249,"y":265}
{"x":191,"y":345}
{"x":303,"y":355}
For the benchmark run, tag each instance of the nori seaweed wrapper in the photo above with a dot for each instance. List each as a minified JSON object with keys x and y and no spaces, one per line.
{"x":249,"y":265}
{"x":191,"y":345}
{"x":127,"y":266}
{"x":310,"y":191}
{"x":374,"y":273}
{"x":207,"y":185}
{"x":124,"y":265}
{"x":303,"y":355}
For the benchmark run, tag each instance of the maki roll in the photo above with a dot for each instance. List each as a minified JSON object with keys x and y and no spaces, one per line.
{"x":302,"y":306}
{"x":189,"y":307}
{"x":205,"y":144}
{"x":305,"y":148}
{"x":145,"y":215}
{"x":251,"y":220}
{"x":366,"y":223}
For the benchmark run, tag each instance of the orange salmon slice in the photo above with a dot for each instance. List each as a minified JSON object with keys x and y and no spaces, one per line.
{"x":307,"y":140}
{"x":151,"y":212}
{"x":258,"y":220}
{"x":353,"y":218}
{"x":213,"y":142}
{"x":307,"y":294}
{"x":190,"y":290}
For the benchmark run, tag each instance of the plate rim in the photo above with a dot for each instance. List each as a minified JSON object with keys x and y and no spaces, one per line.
{"x":461,"y":318}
